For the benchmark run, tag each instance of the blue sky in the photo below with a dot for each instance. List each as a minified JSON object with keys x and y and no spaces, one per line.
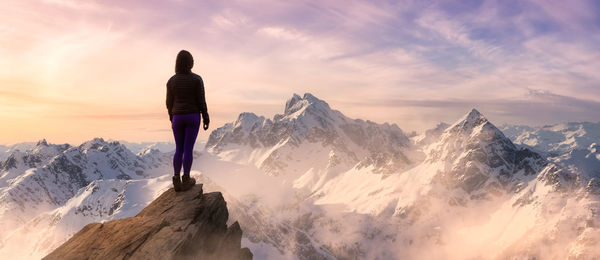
{"x":414,"y":63}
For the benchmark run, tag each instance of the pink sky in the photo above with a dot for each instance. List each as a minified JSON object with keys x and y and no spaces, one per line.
{"x":73,"y":70}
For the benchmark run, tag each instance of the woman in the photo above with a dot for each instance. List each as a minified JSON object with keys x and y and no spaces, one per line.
{"x":185,"y":103}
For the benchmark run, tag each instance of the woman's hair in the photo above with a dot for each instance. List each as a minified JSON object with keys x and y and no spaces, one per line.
{"x":184,"y":62}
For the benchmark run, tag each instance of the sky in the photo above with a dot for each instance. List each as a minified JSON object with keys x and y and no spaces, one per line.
{"x":72,"y":70}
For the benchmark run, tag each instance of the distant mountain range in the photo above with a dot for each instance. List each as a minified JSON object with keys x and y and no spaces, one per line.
{"x":312,"y":183}
{"x":6,"y":150}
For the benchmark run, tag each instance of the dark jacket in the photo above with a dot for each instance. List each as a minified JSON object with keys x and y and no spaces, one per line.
{"x":185,"y":95}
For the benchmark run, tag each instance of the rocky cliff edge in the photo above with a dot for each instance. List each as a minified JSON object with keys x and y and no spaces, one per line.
{"x":176,"y":225}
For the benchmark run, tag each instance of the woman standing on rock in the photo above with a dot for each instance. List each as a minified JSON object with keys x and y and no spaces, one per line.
{"x":186,"y":103}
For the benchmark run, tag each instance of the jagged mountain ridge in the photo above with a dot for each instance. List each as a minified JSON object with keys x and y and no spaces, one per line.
{"x":472,"y":154}
{"x":470,"y":160}
{"x":311,"y":143}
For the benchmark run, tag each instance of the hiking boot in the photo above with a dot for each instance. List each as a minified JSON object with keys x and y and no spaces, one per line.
{"x":187,"y":182}
{"x":177,"y":183}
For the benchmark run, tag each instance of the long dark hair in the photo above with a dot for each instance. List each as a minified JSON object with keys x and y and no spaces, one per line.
{"x":184,"y":62}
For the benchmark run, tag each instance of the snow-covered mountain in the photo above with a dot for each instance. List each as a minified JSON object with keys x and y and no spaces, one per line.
{"x":43,"y":186}
{"x":310,"y":143}
{"x":136,"y":148}
{"x":557,"y":139}
{"x":312,"y":183}
{"x":6,"y":150}
{"x":574,"y":146}
{"x":479,"y":159}
{"x":457,"y":177}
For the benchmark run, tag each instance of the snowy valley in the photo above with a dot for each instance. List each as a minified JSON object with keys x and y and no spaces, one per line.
{"x":311,"y":183}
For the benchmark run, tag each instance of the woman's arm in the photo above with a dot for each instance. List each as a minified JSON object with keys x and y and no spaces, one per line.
{"x":169,"y":100}
{"x":202,"y":103}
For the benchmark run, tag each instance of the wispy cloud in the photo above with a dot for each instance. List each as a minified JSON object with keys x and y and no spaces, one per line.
{"x":254,"y":55}
{"x":537,"y":107}
{"x":30,"y":98}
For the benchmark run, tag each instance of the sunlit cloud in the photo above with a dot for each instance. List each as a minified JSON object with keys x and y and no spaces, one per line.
{"x":116,"y":57}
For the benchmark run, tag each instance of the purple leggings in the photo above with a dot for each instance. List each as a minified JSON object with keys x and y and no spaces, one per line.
{"x":185,"y":129}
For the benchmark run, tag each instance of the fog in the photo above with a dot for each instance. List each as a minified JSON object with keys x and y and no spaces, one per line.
{"x":283,"y":222}
{"x":555,"y":224}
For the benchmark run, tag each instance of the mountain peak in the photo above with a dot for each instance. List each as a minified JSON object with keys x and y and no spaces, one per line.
{"x":474,"y":111}
{"x":477,"y":129}
{"x":310,"y":97}
{"x":482,"y":158}
{"x":95,"y":140}
{"x":42,"y":142}
{"x":93,"y":144}
{"x":247,"y":120}
{"x":292,"y":102}
{"x":102,"y":145}
{"x":473,"y":115}
{"x":297,"y":103}
{"x":469,"y":121}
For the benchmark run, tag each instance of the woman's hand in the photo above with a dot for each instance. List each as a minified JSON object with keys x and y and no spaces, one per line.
{"x":206,"y":121}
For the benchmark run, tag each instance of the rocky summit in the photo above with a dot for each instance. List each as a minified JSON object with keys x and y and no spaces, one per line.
{"x":182,"y":225}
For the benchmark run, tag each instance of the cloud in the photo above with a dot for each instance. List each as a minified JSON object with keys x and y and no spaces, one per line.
{"x":122,"y":116}
{"x":28,"y":97}
{"x":254,"y":55}
{"x":537,"y":107}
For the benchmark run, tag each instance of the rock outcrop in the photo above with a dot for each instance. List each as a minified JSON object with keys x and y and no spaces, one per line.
{"x":182,"y":225}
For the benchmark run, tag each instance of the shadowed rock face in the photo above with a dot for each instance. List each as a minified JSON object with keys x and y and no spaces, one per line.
{"x":182,"y":225}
